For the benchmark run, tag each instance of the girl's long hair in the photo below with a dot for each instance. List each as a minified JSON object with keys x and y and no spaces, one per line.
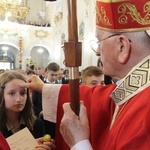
{"x":27,"y":114}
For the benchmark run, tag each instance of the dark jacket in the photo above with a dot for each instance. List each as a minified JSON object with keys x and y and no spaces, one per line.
{"x":37,"y":132}
{"x":65,"y":81}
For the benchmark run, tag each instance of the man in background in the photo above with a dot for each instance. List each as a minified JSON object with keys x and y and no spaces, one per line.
{"x":92,"y":76}
{"x":52,"y":72}
{"x":60,"y":76}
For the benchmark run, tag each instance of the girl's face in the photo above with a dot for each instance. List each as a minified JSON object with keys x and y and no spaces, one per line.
{"x":15,"y":97}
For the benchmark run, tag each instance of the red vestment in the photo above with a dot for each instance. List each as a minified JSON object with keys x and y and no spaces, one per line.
{"x":3,"y":143}
{"x":131,"y":130}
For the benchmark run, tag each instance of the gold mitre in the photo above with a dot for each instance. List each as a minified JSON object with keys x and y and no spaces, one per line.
{"x":123,"y":15}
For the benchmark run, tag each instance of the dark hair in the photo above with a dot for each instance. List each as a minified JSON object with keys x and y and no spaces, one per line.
{"x":27,"y":114}
{"x":52,"y":67}
{"x":65,"y":71}
{"x":99,"y":62}
{"x":30,"y":71}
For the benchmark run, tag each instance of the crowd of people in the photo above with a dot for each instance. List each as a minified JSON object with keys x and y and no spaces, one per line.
{"x":112,"y":116}
{"x":28,"y":111}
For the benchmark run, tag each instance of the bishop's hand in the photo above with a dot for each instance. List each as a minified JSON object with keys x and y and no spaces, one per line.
{"x":74,"y":128}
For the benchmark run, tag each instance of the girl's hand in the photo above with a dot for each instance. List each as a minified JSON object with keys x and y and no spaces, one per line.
{"x":45,"y":145}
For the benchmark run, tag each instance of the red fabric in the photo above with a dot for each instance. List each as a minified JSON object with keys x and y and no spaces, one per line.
{"x":131,"y":130}
{"x":3,"y":143}
{"x":122,"y":15}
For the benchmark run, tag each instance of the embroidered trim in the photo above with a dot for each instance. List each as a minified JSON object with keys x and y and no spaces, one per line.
{"x":136,"y":80}
{"x":129,"y":16}
{"x":102,"y":16}
{"x":131,"y":10}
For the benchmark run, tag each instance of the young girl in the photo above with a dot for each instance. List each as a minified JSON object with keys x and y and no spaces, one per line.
{"x":16,"y":107}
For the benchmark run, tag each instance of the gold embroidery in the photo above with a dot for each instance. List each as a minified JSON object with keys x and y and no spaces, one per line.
{"x":102,"y":16}
{"x":137,"y":80}
{"x":112,"y":1}
{"x":130,"y":9}
{"x":123,"y":30}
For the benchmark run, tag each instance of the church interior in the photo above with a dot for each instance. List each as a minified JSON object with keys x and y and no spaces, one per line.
{"x":33,"y":32}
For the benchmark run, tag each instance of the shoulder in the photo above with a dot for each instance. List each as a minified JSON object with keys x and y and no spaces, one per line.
{"x":98,"y":90}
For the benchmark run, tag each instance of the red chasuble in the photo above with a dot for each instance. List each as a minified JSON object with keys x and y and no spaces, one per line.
{"x":3,"y":143}
{"x":131,"y":129}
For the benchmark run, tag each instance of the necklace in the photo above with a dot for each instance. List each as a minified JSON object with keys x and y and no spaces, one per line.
{"x":117,"y":113}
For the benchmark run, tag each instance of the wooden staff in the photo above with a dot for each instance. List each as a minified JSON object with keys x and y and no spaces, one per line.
{"x":73,"y":56}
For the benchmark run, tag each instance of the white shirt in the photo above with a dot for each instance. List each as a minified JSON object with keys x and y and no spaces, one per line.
{"x":85,"y":144}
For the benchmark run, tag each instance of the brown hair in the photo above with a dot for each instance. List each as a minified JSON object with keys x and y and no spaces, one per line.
{"x":30,"y":71}
{"x":27,"y":114}
{"x":91,"y":70}
{"x":53,"y":67}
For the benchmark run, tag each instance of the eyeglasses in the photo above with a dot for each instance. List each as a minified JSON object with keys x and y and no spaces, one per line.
{"x":95,"y":44}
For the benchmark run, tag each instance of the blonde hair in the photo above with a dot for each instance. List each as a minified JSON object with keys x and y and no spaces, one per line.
{"x":89,"y":71}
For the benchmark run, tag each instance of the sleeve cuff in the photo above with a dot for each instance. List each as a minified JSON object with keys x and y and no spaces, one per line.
{"x":50,"y":95}
{"x":85,"y":144}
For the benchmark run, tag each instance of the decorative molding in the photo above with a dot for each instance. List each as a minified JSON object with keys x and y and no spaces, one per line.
{"x":58,"y":17}
{"x":81,"y":31}
{"x":17,"y":10}
{"x":41,"y":34}
{"x":8,"y":32}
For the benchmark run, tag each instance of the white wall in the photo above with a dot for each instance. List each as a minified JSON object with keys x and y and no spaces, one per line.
{"x":51,"y":38}
{"x":85,"y":15}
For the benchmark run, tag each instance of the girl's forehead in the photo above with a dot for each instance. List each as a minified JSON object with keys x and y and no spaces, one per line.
{"x":14,"y":83}
{"x":16,"y":80}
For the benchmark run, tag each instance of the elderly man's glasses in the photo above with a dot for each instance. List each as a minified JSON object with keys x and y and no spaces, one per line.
{"x":95,"y":44}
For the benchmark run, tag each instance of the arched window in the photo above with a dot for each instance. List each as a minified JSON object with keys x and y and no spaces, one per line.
{"x":6,"y":58}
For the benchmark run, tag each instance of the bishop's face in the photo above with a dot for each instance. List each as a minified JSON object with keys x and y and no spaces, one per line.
{"x":107,"y":49}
